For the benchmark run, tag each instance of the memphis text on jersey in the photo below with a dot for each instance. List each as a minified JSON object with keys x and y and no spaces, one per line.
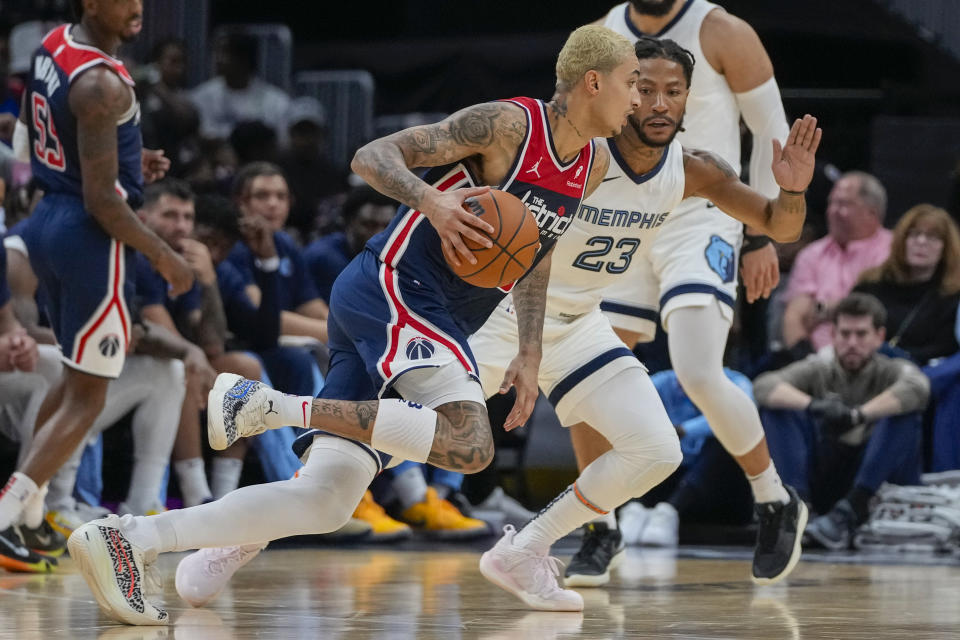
{"x":620,"y":217}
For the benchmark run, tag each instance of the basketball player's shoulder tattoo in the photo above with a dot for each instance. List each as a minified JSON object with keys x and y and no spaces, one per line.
{"x":709,"y":158}
{"x":478,"y":127}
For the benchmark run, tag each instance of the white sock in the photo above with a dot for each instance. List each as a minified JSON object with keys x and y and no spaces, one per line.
{"x":145,"y":480}
{"x":610,"y":519}
{"x":560,"y":517}
{"x":404,"y":429}
{"x":193,"y":481}
{"x":410,"y":486}
{"x":33,"y":509}
{"x":292,"y":411}
{"x":767,"y":486}
{"x":225,"y":475}
{"x":14,"y":497}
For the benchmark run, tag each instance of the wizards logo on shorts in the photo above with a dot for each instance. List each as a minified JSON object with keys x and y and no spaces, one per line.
{"x":110,"y":345}
{"x":420,"y":348}
{"x":720,"y":258}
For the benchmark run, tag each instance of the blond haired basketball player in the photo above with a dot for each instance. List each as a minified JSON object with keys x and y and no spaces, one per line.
{"x":400,"y":289}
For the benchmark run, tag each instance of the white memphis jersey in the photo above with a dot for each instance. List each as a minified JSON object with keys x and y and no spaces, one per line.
{"x":712,"y":120}
{"x":614,"y":228}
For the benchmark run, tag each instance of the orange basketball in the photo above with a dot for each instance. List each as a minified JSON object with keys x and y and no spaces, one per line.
{"x":516,"y":239}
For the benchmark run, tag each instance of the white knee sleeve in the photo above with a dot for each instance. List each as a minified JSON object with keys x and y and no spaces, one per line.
{"x":319,"y":500}
{"x":697,"y":338}
{"x":627,"y":410}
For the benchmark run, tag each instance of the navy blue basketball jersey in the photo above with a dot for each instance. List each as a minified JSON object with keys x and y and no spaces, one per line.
{"x":54,"y":156}
{"x":409,"y":249}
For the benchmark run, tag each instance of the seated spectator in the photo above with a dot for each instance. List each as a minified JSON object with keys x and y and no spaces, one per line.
{"x":253,"y":141}
{"x":311,"y":175}
{"x":169,"y":119}
{"x":366,"y":212}
{"x":839,"y":426}
{"x":707,"y":485}
{"x":920,"y":286}
{"x":236,"y":94}
{"x":826,"y":270}
{"x":260,"y":192}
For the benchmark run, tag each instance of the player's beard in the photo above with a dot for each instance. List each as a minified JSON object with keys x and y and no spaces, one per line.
{"x":638,"y":128}
{"x":654,"y":8}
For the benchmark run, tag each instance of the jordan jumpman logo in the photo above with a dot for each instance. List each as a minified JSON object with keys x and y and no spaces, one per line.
{"x":535,"y":168}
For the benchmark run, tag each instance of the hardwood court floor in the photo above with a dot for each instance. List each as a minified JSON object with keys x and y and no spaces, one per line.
{"x":383,"y":593}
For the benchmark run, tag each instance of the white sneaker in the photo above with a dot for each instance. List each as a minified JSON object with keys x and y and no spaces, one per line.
{"x":115,"y":570}
{"x":632,"y":519}
{"x":203,"y":574}
{"x":530,"y":576}
{"x":513,"y":512}
{"x":663,"y":527}
{"x":236,"y":408}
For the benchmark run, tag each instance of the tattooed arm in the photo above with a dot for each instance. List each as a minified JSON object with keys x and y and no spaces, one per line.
{"x":601,"y":162}
{"x":98,"y":98}
{"x":530,"y":301}
{"x":709,"y":176}
{"x":489,"y":134}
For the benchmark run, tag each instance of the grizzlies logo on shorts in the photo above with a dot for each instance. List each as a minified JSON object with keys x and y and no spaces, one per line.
{"x":720,"y":257}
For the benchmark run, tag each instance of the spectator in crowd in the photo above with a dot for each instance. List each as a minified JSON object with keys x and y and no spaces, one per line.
{"x":365,"y":213}
{"x":260,"y":191}
{"x":169,"y":121}
{"x":840,"y":426}
{"x":253,"y":141}
{"x":312,"y":177}
{"x":827,"y":269}
{"x":198,"y":319}
{"x":708,"y":483}
{"x":919,"y":284}
{"x":236,"y":94}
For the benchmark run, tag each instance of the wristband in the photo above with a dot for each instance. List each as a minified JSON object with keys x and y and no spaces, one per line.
{"x":793,"y":193}
{"x":752,"y":243}
{"x":267,"y":265}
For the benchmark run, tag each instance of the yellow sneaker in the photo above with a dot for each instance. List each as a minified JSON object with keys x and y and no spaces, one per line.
{"x":440,"y":519}
{"x":384,"y":527}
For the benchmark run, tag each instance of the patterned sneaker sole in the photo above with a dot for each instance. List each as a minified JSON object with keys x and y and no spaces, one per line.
{"x":794,"y":556}
{"x":89,"y":550}
{"x":491,"y":571}
{"x":216,"y":431}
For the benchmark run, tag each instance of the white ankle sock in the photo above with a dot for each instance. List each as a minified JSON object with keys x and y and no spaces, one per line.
{"x":609,"y":519}
{"x":410,"y":486}
{"x":293,"y":411}
{"x":560,"y":517}
{"x":14,"y":497}
{"x":33,"y":509}
{"x":145,"y":484}
{"x":193,"y":481}
{"x":767,"y":486}
{"x":404,"y":429}
{"x":225,"y":475}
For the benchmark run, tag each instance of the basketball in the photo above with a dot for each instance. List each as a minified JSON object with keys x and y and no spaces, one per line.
{"x":516,"y":239}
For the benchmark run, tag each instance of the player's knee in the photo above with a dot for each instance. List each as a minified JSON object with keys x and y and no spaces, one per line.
{"x":478,"y":455}
{"x":650,"y":461}
{"x":696,"y":379}
{"x":323,"y":508}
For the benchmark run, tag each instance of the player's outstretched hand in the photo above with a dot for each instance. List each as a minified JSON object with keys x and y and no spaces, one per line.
{"x":793,"y":163}
{"x":174,"y":270}
{"x":453,"y":223}
{"x":153,"y":164}
{"x":522,"y":375}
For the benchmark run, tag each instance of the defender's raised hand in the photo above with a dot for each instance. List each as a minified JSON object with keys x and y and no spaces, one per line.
{"x":793,"y":163}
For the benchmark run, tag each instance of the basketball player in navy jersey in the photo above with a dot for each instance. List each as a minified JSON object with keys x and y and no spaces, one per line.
{"x":84,"y":145}
{"x":398,"y":291}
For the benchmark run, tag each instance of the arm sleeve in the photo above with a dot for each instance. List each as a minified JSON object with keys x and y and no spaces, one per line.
{"x":762,"y":110}
{"x":801,"y":375}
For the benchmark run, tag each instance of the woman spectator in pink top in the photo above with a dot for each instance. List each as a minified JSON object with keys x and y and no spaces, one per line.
{"x":827,"y":270}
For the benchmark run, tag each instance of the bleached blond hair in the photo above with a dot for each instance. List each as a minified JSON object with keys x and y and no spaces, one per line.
{"x":593,"y":47}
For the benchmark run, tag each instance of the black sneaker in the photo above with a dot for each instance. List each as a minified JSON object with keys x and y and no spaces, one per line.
{"x":778,"y":538}
{"x":16,"y":557}
{"x":601,"y":549}
{"x":43,"y":539}
{"x":834,"y":529}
